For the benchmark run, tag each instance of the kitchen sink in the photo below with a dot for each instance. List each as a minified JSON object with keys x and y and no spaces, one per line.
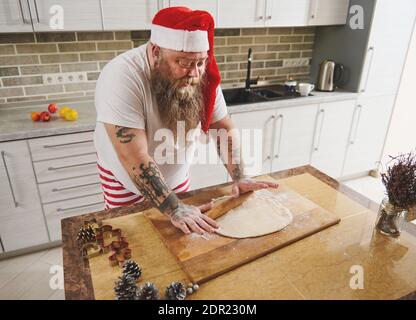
{"x":268,"y":94}
{"x":241,"y":96}
{"x":235,"y":96}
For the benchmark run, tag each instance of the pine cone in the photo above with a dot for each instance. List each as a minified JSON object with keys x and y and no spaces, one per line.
{"x":85,"y":235}
{"x":132,"y":268}
{"x":126,"y":288}
{"x":148,"y":291}
{"x":176,"y":291}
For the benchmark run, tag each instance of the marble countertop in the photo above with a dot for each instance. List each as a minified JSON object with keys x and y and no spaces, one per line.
{"x":16,"y":124}
{"x":316,"y":267}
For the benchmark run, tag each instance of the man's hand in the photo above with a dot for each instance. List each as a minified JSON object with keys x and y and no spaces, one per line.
{"x":187,"y":218}
{"x":247,"y":184}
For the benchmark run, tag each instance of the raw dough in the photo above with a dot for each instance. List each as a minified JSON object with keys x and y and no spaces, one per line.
{"x":260,"y":214}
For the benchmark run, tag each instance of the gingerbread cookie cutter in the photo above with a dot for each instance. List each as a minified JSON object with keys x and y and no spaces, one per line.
{"x":105,"y":233}
{"x":121,"y":253}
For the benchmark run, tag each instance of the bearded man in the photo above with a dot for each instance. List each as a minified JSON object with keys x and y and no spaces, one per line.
{"x":172,"y":78}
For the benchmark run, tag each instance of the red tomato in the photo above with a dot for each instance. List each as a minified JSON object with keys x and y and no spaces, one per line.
{"x":52,"y":108}
{"x":45,"y":116}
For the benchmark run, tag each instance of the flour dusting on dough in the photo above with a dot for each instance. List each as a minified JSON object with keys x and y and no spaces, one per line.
{"x":262,"y":213}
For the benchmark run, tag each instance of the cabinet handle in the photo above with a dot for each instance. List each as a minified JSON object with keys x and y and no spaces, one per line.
{"x":269,"y":18}
{"x":354,"y":135}
{"x":71,"y":166}
{"x":369,"y":68}
{"x":78,"y":207}
{"x":1,"y":244}
{"x":66,"y":144}
{"x":36,"y":9}
{"x":73,"y":187}
{"x":3,"y":156}
{"x":322,"y":111}
{"x":22,"y":13}
{"x":280,"y":135}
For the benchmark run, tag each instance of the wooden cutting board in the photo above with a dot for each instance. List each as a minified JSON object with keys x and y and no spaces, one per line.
{"x":204,"y":258}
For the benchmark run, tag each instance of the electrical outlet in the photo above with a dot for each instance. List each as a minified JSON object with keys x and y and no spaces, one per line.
{"x":299,"y":62}
{"x":66,"y":77}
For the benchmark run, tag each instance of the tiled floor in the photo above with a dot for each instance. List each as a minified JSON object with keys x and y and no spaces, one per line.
{"x":29,"y":277}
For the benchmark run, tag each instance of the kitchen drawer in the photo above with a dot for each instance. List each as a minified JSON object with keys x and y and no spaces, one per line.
{"x":55,"y":212}
{"x":70,"y":188}
{"x":65,"y":168}
{"x":62,"y":146}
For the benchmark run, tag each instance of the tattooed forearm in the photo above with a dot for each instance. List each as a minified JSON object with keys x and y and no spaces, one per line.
{"x":124,"y":135}
{"x":231,"y":157}
{"x":150,"y":182}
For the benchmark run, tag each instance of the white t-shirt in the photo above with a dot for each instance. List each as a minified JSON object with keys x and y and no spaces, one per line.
{"x":124,"y":97}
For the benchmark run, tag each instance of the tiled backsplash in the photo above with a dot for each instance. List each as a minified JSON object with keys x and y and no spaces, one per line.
{"x":25,"y":57}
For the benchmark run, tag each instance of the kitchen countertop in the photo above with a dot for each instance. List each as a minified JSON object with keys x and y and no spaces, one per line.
{"x":15,"y":123}
{"x":316,"y":267}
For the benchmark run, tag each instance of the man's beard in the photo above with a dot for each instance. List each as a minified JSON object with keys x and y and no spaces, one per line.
{"x":176,"y":103}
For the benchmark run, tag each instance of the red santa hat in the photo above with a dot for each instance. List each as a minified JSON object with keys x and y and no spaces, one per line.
{"x":183,"y":29}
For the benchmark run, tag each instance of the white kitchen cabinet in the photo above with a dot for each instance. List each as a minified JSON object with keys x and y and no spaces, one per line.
{"x":67,"y":145}
{"x":241,"y":14}
{"x":77,"y":15}
{"x":57,"y":211}
{"x":328,"y":12}
{"x":293,"y":135}
{"x":22,"y":223}
{"x":331,"y":136}
{"x":263,"y":122}
{"x":207,"y":169}
{"x":289,"y":13}
{"x":389,"y":39}
{"x":207,"y":5}
{"x":367,"y":135}
{"x":129,"y":14}
{"x":15,"y":16}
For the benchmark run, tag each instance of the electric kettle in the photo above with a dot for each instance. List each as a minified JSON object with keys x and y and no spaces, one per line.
{"x":330,"y":75}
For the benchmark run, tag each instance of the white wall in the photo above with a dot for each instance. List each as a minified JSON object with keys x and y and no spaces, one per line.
{"x":401,"y":137}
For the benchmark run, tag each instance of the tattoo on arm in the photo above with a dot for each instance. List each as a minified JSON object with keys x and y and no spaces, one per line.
{"x":150,"y":182}
{"x":232,"y":159}
{"x":124,"y":135}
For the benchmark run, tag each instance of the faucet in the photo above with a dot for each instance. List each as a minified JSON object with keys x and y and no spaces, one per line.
{"x":249,"y":82}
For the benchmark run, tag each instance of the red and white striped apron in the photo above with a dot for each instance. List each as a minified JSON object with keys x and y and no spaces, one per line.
{"x":116,"y":195}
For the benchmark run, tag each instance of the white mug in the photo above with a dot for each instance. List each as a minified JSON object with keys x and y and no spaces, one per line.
{"x":305,"y":89}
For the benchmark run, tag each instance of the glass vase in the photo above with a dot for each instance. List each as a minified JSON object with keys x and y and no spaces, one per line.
{"x":390,"y":219}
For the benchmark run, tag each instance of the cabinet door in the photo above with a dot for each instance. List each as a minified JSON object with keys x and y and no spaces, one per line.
{"x":128,"y":14}
{"x":15,"y":16}
{"x":293,"y":136}
{"x":57,"y":211}
{"x":207,"y":169}
{"x":77,"y":15}
{"x":387,"y":47}
{"x":244,"y":14}
{"x":287,"y":13}
{"x":252,"y":125}
{"x":22,"y":223}
{"x":331,"y":136}
{"x":210,"y":6}
{"x":368,"y":132}
{"x":327,"y":12}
